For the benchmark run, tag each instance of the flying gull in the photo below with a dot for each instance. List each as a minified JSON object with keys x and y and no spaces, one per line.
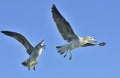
{"x":34,"y":52}
{"x":66,"y":31}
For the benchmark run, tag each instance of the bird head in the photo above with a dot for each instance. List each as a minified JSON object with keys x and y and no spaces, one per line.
{"x":41,"y":44}
{"x":89,"y":39}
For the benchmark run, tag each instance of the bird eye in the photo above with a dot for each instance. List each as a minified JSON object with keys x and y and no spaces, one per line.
{"x":90,"y":38}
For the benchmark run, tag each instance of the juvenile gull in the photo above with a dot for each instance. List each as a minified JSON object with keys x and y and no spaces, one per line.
{"x":66,"y":31}
{"x":34,"y":52}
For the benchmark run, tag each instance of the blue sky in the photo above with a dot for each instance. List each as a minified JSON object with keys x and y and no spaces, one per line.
{"x":32,"y":18}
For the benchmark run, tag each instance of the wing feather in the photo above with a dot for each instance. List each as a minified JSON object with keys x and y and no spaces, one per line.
{"x":21,"y":39}
{"x":63,"y":26}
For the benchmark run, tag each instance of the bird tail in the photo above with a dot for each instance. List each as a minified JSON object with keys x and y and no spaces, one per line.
{"x":24,"y":63}
{"x":62,"y":49}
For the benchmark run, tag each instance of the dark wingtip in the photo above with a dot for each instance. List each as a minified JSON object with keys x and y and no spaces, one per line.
{"x":53,"y":5}
{"x":54,"y":8}
{"x":102,"y":44}
{"x":2,"y":31}
{"x":7,"y":32}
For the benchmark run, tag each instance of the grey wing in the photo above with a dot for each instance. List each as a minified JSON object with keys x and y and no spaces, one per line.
{"x":21,"y":39}
{"x":62,"y":25}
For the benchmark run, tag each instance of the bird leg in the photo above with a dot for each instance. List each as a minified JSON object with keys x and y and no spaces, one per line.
{"x":70,"y":56}
{"x":28,"y":68}
{"x":34,"y":68}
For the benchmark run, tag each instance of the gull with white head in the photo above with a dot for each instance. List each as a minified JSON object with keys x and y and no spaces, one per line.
{"x":34,"y":52}
{"x":74,"y":41}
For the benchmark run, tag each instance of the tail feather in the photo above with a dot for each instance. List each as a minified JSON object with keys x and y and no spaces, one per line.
{"x":61,"y":52}
{"x":24,"y":63}
{"x":61,"y":49}
{"x":58,"y":46}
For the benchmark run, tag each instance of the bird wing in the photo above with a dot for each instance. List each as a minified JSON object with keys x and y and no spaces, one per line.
{"x":21,"y":39}
{"x":63,"y":26}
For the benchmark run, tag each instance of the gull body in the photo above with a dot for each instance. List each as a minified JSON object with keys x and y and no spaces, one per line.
{"x":34,"y":52}
{"x":68,"y":34}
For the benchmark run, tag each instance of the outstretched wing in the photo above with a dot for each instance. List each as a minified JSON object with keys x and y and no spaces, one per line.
{"x":21,"y":39}
{"x":63,"y":26}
